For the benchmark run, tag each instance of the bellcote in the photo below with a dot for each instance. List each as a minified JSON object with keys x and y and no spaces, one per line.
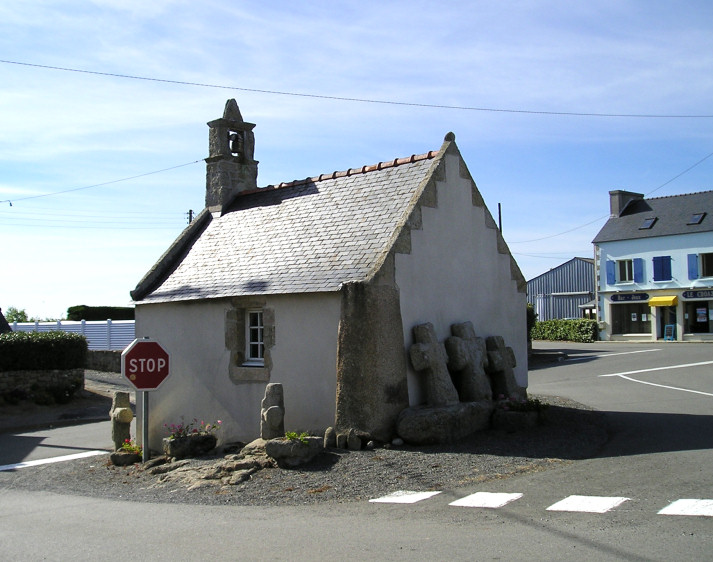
{"x":230,"y":166}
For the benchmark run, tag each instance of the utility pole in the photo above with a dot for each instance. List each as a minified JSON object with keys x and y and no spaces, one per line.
{"x":189,"y":214}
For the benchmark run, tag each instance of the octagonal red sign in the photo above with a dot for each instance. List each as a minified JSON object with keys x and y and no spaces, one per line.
{"x":145,"y":364}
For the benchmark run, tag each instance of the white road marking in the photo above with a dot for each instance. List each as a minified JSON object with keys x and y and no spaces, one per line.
{"x":486,"y":499}
{"x":404,"y":496}
{"x":624,"y":376}
{"x":588,"y":504}
{"x":52,"y":460}
{"x":596,"y":355}
{"x":689,"y":507}
{"x":659,"y":369}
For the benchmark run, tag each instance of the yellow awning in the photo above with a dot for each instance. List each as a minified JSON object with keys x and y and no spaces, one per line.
{"x":663,"y":301}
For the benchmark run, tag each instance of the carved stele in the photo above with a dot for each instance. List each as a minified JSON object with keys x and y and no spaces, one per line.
{"x":121,"y":416}
{"x":467,"y":358}
{"x":429,"y":355}
{"x":501,"y":360}
{"x":272,"y":413}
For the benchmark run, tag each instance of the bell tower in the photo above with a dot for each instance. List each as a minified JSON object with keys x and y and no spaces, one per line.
{"x":230,"y":165}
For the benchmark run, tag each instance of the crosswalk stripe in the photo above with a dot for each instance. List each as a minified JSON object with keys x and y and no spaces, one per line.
{"x":404,"y":496}
{"x":587,"y":504}
{"x":689,"y":507}
{"x":486,"y":499}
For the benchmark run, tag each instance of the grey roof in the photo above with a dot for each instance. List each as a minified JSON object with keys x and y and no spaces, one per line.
{"x":306,"y":236}
{"x":672,"y":215}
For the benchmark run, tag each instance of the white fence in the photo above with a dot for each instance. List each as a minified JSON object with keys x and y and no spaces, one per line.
{"x":109,"y":334}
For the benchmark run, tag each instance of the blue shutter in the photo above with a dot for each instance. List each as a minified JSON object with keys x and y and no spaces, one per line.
{"x":662,"y":268}
{"x":693,"y":266}
{"x":638,"y":270}
{"x":611,"y":272}
{"x":666,"y":266}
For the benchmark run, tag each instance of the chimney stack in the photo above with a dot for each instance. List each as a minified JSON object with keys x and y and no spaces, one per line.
{"x":619,"y":199}
{"x":230,"y":165}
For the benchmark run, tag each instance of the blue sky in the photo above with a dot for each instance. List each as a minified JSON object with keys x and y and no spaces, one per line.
{"x":63,"y":130}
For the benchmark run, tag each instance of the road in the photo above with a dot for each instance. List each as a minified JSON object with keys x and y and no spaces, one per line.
{"x":657,"y":397}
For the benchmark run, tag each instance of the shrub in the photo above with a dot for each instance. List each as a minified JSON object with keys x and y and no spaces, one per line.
{"x":28,"y":351}
{"x":89,"y":313}
{"x":580,"y":330}
{"x":531,"y":319}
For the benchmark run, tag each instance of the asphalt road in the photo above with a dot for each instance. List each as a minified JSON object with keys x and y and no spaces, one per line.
{"x":658,"y":399}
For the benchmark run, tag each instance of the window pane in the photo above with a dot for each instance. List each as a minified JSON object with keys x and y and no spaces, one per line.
{"x":707,"y":265}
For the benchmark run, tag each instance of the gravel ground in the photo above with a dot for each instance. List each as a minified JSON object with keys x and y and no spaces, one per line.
{"x":572,"y":432}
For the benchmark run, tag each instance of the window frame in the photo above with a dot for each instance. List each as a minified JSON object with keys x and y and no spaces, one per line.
{"x":706,"y":264}
{"x":254,"y":338}
{"x":627,"y":265}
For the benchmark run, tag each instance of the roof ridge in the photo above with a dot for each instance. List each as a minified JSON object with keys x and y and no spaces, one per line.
{"x":680,"y":195}
{"x":347,"y":173}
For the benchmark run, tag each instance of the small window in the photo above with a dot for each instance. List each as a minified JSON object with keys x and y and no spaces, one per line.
{"x":625,"y":270}
{"x":255,"y":335}
{"x":706,"y":265}
{"x":696,"y":218}
{"x":648,"y":223}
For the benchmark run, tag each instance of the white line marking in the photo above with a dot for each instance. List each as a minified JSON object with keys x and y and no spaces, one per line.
{"x":689,"y":507}
{"x":666,"y":386}
{"x":486,"y":499}
{"x":585,"y":357}
{"x":659,"y":369}
{"x":404,"y":496}
{"x":52,"y":460}
{"x":588,"y":504}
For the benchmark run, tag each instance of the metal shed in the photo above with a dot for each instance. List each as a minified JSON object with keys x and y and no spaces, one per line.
{"x":561,"y":291}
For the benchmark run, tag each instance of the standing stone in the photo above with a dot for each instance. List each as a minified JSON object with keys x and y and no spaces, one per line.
{"x":501,"y":360}
{"x":272,"y":414}
{"x":429,"y":355}
{"x":121,"y":416}
{"x":467,"y":357}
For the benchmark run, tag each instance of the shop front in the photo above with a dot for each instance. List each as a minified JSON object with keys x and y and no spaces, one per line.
{"x":629,"y":317}
{"x":698,"y":314}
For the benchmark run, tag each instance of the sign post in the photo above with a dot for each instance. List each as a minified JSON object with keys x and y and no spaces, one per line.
{"x":145,"y":364}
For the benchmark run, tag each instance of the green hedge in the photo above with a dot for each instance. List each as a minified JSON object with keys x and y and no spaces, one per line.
{"x":89,"y":313}
{"x":29,"y":351}
{"x":581,"y":330}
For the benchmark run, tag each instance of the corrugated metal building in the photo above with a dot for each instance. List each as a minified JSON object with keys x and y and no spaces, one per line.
{"x":565,"y":291}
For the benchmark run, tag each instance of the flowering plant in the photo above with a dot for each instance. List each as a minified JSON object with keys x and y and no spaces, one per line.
{"x":522,"y":405}
{"x":193,"y":428}
{"x":130,"y":446}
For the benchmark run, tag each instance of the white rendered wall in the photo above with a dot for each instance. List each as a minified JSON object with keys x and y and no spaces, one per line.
{"x":303,"y":360}
{"x":454,"y":274}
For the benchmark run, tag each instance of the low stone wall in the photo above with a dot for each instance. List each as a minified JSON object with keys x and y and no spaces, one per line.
{"x":102,"y":360}
{"x":25,"y":380}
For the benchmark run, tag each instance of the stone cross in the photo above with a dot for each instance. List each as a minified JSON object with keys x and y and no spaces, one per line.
{"x":429,"y":355}
{"x":272,"y":413}
{"x":467,"y":357}
{"x":501,"y":360}
{"x":121,"y":416}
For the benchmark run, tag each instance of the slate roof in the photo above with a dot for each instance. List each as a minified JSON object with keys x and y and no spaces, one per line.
{"x":298,"y":237}
{"x":672,"y":214}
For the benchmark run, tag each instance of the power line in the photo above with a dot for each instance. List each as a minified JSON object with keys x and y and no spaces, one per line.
{"x":606,"y":216}
{"x":359,"y":100}
{"x":98,"y":184}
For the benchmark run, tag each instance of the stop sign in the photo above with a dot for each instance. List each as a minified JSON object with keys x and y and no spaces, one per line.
{"x":145,"y":364}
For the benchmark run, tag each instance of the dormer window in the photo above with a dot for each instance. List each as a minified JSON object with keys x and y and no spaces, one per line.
{"x":648,"y":223}
{"x":696,"y":218}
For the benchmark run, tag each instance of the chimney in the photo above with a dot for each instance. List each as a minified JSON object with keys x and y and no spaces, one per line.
{"x":619,"y":199}
{"x":230,"y":165}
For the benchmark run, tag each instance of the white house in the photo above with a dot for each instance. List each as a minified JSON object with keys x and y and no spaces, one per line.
{"x":317,"y":284}
{"x":655,"y":268}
